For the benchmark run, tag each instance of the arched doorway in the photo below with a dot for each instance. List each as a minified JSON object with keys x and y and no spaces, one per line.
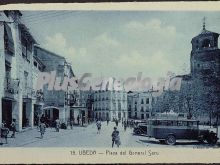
{"x":51,"y":112}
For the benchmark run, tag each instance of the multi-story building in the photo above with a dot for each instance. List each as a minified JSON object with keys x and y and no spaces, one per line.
{"x":87,"y":100}
{"x":110,"y":104}
{"x":19,"y":69}
{"x":139,"y":105}
{"x":58,"y":103}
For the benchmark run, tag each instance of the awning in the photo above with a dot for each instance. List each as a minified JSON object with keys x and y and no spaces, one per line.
{"x":9,"y":42}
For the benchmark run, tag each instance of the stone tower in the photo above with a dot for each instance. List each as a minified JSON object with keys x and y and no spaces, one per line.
{"x":205,"y":72}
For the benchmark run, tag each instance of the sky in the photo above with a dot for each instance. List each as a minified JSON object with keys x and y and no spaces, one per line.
{"x":121,"y":43}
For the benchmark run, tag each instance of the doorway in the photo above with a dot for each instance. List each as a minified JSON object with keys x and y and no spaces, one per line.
{"x":55,"y":114}
{"x":7,"y":112}
{"x":24,"y":115}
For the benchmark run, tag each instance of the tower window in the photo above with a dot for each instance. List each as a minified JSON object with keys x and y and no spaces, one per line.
{"x":206,"y":43}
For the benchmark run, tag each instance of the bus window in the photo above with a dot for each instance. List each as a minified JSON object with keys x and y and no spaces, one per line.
{"x":182,"y":123}
{"x":171,"y":123}
{"x":162,"y":122}
{"x":192,"y":123}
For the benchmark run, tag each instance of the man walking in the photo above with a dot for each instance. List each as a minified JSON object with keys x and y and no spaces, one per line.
{"x":57,"y":122}
{"x":115,"y":137}
{"x":71,"y":123}
{"x":116,"y":122}
{"x":42,"y":127}
{"x":125,"y":125}
{"x":99,"y":125}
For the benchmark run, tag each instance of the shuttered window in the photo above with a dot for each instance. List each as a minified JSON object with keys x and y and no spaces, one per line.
{"x":9,"y":42}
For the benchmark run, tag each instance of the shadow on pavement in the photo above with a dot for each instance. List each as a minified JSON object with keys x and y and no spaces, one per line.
{"x":194,"y":143}
{"x":38,"y":137}
{"x":151,"y":142}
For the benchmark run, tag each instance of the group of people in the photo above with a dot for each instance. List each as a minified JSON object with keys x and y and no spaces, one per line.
{"x":4,"y":130}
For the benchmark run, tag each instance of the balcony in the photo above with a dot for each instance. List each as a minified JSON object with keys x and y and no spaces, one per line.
{"x":27,"y":92}
{"x":11,"y":87}
{"x":39,"y":95}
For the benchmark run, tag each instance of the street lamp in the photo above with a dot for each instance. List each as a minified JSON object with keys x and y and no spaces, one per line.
{"x":189,"y":116}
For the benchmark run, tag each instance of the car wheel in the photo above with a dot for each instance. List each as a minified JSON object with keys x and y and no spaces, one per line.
{"x":170,"y":140}
{"x":138,"y":132}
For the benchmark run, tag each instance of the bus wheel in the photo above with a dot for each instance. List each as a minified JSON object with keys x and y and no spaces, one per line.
{"x":212,"y":140}
{"x":170,"y":140}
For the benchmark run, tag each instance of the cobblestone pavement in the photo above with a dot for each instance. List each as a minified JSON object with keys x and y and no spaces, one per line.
{"x":87,"y":137}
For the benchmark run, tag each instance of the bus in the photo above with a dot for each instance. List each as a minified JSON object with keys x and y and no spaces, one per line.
{"x":169,"y":130}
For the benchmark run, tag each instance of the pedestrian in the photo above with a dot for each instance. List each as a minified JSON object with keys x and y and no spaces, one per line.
{"x":57,"y":126}
{"x":71,"y":123}
{"x":42,"y":129}
{"x":13,"y":128}
{"x":99,"y":125}
{"x":115,"y":137}
{"x":78,"y":119}
{"x":125,"y":125}
{"x":4,"y":124}
{"x":83,"y":120}
{"x":107,"y":121}
{"x":116,"y":122}
{"x":4,"y":132}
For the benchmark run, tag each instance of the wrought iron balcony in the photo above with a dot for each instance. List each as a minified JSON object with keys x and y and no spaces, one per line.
{"x":27,"y":92}
{"x":11,"y":86}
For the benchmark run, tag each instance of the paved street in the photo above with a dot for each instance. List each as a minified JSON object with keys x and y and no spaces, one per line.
{"x":87,"y":137}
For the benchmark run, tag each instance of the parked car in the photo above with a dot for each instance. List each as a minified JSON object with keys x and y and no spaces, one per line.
{"x":140,"y":129}
{"x":170,"y":130}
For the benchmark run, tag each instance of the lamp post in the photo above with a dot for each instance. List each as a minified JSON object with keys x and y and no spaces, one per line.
{"x":189,"y":116}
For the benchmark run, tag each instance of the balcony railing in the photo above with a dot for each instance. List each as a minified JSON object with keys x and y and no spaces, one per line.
{"x":11,"y":86}
{"x":27,"y":92}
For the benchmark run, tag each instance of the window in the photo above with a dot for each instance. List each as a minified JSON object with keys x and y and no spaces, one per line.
{"x":147,"y":101}
{"x":8,"y":39}
{"x":147,"y":109}
{"x":142,"y":116}
{"x":206,"y":43}
{"x":182,"y":123}
{"x":142,"y":109}
{"x":35,"y":63}
{"x":147,"y":116}
{"x":142,"y":101}
{"x":25,"y":79}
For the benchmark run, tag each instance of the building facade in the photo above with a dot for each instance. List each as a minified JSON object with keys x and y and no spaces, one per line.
{"x":19,"y":70}
{"x":110,"y":104}
{"x":139,"y":105}
{"x":57,"y":102}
